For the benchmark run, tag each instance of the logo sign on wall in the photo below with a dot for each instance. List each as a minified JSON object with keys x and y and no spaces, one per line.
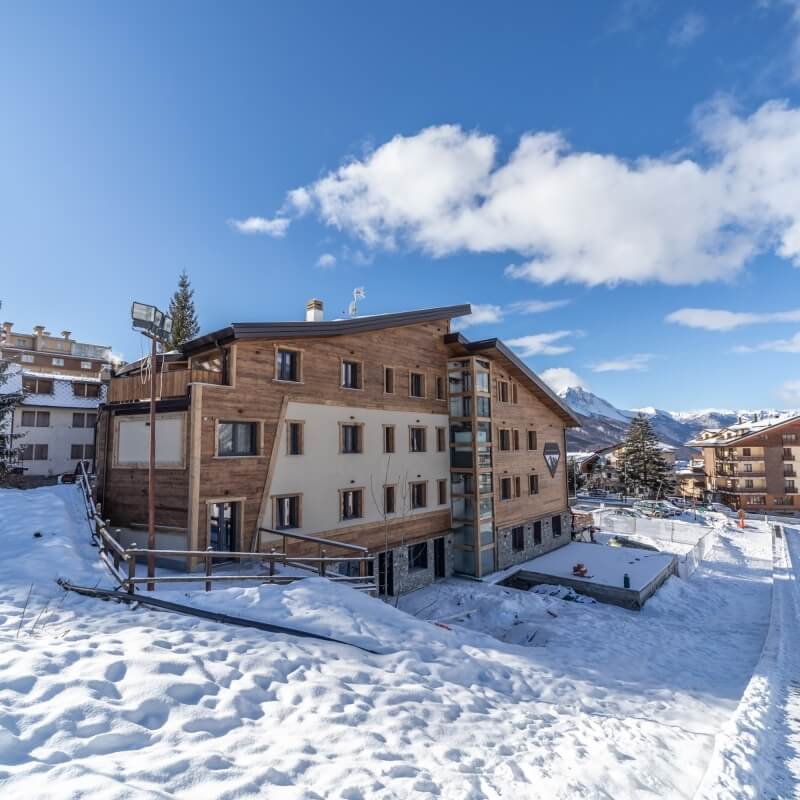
{"x":552,"y":455}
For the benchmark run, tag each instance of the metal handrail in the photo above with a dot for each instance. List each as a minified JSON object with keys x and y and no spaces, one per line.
{"x":315,"y":539}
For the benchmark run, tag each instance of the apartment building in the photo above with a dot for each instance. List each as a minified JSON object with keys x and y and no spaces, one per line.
{"x":602,"y":466}
{"x":63,"y":384}
{"x":751,"y":465}
{"x":439,"y":454}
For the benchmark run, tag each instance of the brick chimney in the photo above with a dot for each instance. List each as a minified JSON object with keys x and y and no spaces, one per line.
{"x":66,"y":334}
{"x":38,"y":330}
{"x":7,"y":326}
{"x":314,"y":310}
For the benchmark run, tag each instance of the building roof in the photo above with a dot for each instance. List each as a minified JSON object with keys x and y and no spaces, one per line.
{"x":546,"y":394}
{"x":336,"y":327}
{"x":741,"y":431}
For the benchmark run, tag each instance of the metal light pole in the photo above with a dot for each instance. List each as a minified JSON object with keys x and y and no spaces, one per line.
{"x":156,"y":326}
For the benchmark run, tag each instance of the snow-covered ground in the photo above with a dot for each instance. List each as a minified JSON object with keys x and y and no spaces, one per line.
{"x":520,"y":695}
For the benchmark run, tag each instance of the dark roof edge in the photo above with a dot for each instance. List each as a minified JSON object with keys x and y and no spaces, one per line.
{"x":501,"y":347}
{"x":337,"y":327}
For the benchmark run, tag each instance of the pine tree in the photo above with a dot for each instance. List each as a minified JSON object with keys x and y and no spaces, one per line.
{"x":8,"y":401}
{"x":181,"y":309}
{"x":641,"y":465}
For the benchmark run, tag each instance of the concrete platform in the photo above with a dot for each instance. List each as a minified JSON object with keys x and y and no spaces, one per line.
{"x":607,"y":567}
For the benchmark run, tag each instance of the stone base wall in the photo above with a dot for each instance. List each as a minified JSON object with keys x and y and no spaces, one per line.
{"x":406,"y":580}
{"x":508,"y":557}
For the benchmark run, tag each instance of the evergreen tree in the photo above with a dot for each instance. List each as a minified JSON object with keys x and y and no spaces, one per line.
{"x":8,"y":401}
{"x":641,"y":465}
{"x":181,"y":309}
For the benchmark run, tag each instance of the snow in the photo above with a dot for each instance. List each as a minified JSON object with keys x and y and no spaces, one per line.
{"x":518,"y":695}
{"x":590,"y":405}
{"x":606,"y":565}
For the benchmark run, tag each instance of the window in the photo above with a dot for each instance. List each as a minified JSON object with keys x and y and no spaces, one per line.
{"x":388,"y":438}
{"x":350,"y":438}
{"x":556,"y":526}
{"x":502,"y":391}
{"x":237,"y":439}
{"x":787,"y":454}
{"x":532,"y":443}
{"x":441,"y":439}
{"x":76,"y":451}
{"x":38,"y":385}
{"x":516,"y":439}
{"x":784,"y":501}
{"x":748,"y":467}
{"x":416,"y":439}
{"x":514,"y":394}
{"x":533,"y":484}
{"x":483,"y":406}
{"x":294,"y":438}
{"x":439,"y":387}
{"x":26,"y":452}
{"x":86,"y":364}
{"x":352,"y":503}
{"x":37,"y":419}
{"x":389,"y":497}
{"x":537,"y":532}
{"x":26,"y":358}
{"x":388,"y":380}
{"x":441,"y":486}
{"x":351,"y":375}
{"x":418,"y":556}
{"x":86,"y":389}
{"x":88,"y":451}
{"x":416,"y":384}
{"x":745,"y":451}
{"x":504,"y":438}
{"x":79,"y":420}
{"x":28,"y":419}
{"x":34,"y":452}
{"x":748,"y":484}
{"x":287,"y":511}
{"x":91,"y":420}
{"x":789,"y":438}
{"x":58,"y":362}
{"x":757,"y":500}
{"x":419,"y":494}
{"x":287,"y":365}
{"x":518,"y":538}
{"x":505,"y":488}
{"x":517,"y":486}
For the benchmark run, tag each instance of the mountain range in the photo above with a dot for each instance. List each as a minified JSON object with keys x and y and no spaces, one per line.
{"x":604,"y":424}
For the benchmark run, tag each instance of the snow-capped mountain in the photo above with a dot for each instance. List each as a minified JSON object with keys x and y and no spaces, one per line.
{"x":604,"y":424}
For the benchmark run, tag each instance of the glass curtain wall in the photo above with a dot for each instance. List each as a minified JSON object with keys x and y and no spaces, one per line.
{"x":471,"y":486}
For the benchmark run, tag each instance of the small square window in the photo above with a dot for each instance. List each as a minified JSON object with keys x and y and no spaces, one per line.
{"x":352,"y":503}
{"x":28,"y":419}
{"x":287,"y":365}
{"x":78,"y":420}
{"x":237,"y":439}
{"x":416,"y":439}
{"x":418,"y":556}
{"x":351,"y":375}
{"x":416,"y":384}
{"x":419,"y":494}
{"x":86,"y":364}
{"x":518,"y":538}
{"x":40,"y":452}
{"x":58,"y":362}
{"x":42,"y":419}
{"x":27,"y":358}
{"x":76,"y":451}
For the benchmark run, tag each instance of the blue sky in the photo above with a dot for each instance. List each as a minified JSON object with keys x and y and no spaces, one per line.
{"x":632,"y":158}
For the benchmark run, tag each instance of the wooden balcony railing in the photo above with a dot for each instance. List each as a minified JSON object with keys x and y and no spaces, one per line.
{"x":169,"y":384}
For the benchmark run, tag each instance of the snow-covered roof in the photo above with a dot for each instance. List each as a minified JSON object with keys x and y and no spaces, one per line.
{"x":741,"y":430}
{"x":60,"y":377}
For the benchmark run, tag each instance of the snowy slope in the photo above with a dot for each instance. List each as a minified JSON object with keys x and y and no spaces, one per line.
{"x":529,"y":697}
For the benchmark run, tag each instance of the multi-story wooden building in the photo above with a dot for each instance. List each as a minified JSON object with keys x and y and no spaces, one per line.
{"x":751,"y":465}
{"x":442,"y":455}
{"x":63,"y":384}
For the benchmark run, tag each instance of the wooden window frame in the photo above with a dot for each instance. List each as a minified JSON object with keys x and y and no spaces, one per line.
{"x":300,"y":359}
{"x":361,"y":373}
{"x":360,"y":426}
{"x":515,"y":439}
{"x":386,"y":488}
{"x":531,"y":432}
{"x":411,"y":429}
{"x":514,"y":393}
{"x":503,"y":384}
{"x":440,"y":387}
{"x":274,"y":500}
{"x":423,"y":378}
{"x":388,"y":369}
{"x":500,"y":432}
{"x":441,"y":491}
{"x":503,"y":479}
{"x":441,"y":439}
{"x":411,"y":486}
{"x":259,"y":423}
{"x":533,"y":483}
{"x":386,"y":429}
{"x":301,"y":437}
{"x":517,"y":486}
{"x":342,"y":492}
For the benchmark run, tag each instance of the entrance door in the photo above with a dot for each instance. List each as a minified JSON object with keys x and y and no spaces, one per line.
{"x":223,"y":526}
{"x":386,"y":573}
{"x":438,"y":557}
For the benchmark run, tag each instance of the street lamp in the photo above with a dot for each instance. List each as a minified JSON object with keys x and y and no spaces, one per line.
{"x":156,"y":326}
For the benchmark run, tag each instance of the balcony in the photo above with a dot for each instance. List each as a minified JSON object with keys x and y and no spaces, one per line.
{"x":790,"y":488}
{"x":169,"y":384}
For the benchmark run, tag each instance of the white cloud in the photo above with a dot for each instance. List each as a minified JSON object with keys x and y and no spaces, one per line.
{"x":634,"y":363}
{"x":560,"y":378}
{"x":587,"y":217}
{"x":541,"y":344}
{"x":482,"y":314}
{"x":790,"y":392}
{"x":687,"y":29}
{"x":326,"y":261}
{"x":536,"y":306}
{"x":777,"y":345}
{"x":712,"y":319}
{"x":276,"y":227}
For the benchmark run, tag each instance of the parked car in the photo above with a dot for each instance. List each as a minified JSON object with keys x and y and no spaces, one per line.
{"x":597,"y":493}
{"x":720,"y":508}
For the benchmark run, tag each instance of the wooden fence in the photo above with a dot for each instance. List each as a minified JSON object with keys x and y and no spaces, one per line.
{"x":174,"y":383}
